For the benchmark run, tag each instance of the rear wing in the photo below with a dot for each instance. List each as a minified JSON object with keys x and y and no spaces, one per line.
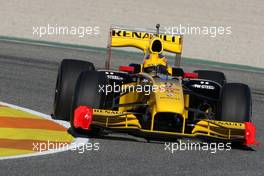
{"x":140,"y":38}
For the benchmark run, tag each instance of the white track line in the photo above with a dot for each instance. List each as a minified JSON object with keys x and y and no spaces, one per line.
{"x":78,"y":142}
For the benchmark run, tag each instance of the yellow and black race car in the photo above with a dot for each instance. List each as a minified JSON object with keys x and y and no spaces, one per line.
{"x":152,"y":99}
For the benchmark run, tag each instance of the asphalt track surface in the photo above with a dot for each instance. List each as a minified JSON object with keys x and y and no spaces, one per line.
{"x":29,"y":81}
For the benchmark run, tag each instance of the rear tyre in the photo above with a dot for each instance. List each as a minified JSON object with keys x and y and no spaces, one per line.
{"x":215,"y":76}
{"x":68,"y":73}
{"x":137,"y":67}
{"x":87,"y":93}
{"x":235,"y":103}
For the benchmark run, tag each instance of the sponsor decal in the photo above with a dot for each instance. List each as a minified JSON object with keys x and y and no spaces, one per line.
{"x":169,"y":87}
{"x":110,"y":75}
{"x":228,"y":123}
{"x":107,"y":111}
{"x":170,"y":94}
{"x":144,"y":35}
{"x":203,"y":85}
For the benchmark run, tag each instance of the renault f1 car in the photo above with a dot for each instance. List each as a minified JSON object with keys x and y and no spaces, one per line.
{"x":152,"y":99}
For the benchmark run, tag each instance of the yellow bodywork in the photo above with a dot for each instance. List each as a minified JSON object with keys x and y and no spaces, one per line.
{"x":143,"y":40}
{"x":172,"y":100}
{"x":206,"y":128}
{"x":168,"y":98}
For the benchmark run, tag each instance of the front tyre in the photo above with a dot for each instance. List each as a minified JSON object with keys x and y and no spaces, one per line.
{"x":68,"y":73}
{"x":235,"y":103}
{"x":87,"y":93}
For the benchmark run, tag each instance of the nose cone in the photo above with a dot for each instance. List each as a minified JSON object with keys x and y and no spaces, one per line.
{"x":169,"y":98}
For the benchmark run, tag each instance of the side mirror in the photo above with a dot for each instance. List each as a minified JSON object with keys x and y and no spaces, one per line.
{"x":177,"y":72}
{"x":191,"y":75}
{"x":125,"y":68}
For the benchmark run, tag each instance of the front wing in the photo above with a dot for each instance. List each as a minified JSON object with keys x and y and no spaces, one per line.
{"x":127,"y":122}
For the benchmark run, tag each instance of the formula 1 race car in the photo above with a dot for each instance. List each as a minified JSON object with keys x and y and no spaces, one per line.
{"x":152,"y":99}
